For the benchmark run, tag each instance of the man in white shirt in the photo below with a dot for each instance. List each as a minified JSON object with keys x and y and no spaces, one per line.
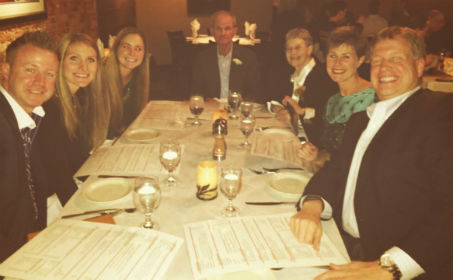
{"x":225,"y":66}
{"x":29,"y":73}
{"x":390,"y":187}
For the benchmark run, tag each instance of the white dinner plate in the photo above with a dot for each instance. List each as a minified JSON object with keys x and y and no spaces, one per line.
{"x":288,"y":184}
{"x":280,"y":131}
{"x":141,"y":135}
{"x":246,"y":275}
{"x":107,"y":189}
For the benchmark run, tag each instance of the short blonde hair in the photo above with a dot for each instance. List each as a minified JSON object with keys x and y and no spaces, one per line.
{"x":300,"y":33}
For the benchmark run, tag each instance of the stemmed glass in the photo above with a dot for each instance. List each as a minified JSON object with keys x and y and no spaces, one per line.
{"x":246,"y":108}
{"x":196,"y":105}
{"x":170,"y":156}
{"x":247,"y":126}
{"x":234,"y":100}
{"x":230,"y":186}
{"x":147,"y":196}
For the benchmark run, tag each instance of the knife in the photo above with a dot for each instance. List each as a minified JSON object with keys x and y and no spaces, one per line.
{"x":271,"y":203}
{"x":102,"y":211}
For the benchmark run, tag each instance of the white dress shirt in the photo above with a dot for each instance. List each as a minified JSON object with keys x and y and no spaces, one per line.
{"x":298,"y":81}
{"x":23,"y":118}
{"x":224,"y":71}
{"x":378,"y":113}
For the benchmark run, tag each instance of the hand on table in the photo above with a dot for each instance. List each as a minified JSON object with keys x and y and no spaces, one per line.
{"x":306,"y":224}
{"x":356,"y":271}
{"x":308,"y":152}
{"x":293,"y":103}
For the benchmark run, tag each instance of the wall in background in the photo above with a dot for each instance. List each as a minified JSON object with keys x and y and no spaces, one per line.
{"x":62,"y":17}
{"x":157,"y":17}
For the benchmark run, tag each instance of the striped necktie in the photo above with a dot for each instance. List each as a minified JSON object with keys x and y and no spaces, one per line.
{"x":28,"y":135}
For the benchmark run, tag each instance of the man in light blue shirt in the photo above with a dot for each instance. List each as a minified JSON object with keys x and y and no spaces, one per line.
{"x":225,"y":66}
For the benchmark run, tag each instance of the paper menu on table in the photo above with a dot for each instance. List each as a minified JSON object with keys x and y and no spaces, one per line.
{"x":247,"y":243}
{"x":277,"y":144}
{"x":124,"y":160}
{"x":72,"y":249}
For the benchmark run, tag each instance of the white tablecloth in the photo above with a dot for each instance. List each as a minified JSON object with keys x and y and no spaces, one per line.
{"x":179,"y":204}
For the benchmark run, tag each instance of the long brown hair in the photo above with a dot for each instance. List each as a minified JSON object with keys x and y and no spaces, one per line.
{"x":140,"y":76}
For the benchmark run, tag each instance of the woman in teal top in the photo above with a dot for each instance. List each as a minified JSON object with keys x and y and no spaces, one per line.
{"x":346,"y":52}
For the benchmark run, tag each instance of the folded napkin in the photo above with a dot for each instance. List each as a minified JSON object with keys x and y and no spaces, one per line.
{"x":100,"y":46}
{"x":111,"y":41}
{"x":195,"y":26}
{"x":250,"y":29}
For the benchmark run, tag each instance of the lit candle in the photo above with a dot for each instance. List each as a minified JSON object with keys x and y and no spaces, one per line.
{"x":170,"y":155}
{"x":207,"y":180}
{"x":147,"y":189}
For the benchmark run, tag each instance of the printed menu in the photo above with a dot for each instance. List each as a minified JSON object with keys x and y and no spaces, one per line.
{"x":247,"y":243}
{"x":73,"y":249}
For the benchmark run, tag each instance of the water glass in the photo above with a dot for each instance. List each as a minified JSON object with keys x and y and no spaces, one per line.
{"x":234,"y":101}
{"x":196,"y":105}
{"x":170,"y":156}
{"x":230,"y":186}
{"x":246,"y":109}
{"x":147,"y":195}
{"x":247,"y":126}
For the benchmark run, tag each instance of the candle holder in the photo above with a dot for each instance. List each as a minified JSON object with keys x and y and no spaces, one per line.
{"x":207,"y":180}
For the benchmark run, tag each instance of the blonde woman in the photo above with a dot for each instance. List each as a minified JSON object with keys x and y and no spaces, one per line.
{"x":80,"y":105}
{"x":127,"y":73}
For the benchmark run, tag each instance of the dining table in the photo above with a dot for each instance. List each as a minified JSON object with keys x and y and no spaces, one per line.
{"x":179,"y":204}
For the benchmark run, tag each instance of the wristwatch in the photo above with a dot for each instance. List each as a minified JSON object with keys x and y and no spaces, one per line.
{"x":386,"y":262}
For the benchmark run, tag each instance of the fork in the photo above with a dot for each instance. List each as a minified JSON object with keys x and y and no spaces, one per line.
{"x":282,"y":168}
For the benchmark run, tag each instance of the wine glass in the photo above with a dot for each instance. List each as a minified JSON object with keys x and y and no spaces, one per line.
{"x":170,"y":156}
{"x":147,"y":196}
{"x":247,"y":126}
{"x":230,"y":185}
{"x":234,"y":100}
{"x":196,"y":105}
{"x":246,"y":108}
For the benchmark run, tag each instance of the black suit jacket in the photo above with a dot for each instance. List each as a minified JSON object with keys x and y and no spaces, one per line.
{"x":404,"y":193}
{"x":49,"y":175}
{"x":16,"y":209}
{"x":244,"y":76}
{"x":318,"y":88}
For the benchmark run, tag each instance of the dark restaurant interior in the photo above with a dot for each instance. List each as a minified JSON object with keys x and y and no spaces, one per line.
{"x":166,"y":23}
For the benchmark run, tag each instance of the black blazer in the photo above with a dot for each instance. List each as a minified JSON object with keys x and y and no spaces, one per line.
{"x":318,"y":88}
{"x":16,"y":209}
{"x":49,"y":174}
{"x":404,"y":189}
{"x":244,"y":76}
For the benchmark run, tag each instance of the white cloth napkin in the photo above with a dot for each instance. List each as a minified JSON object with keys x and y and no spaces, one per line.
{"x":250,"y":29}
{"x":111,"y":41}
{"x":100,"y":46}
{"x":195,"y":26}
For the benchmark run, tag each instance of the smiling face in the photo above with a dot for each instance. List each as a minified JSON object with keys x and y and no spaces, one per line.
{"x":131,"y":52}
{"x":298,"y":54}
{"x":342,"y":63}
{"x":80,"y":65}
{"x":31,"y":77}
{"x":394,"y":70}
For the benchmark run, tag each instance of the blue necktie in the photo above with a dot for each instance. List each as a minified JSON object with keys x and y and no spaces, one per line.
{"x":28,"y":135}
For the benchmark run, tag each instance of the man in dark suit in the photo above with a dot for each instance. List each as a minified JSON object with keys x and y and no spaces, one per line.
{"x":29,"y":73}
{"x":223,"y":67}
{"x":390,"y":187}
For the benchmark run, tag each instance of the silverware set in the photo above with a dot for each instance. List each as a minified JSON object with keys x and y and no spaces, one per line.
{"x":113,"y":211}
{"x":273,"y":170}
